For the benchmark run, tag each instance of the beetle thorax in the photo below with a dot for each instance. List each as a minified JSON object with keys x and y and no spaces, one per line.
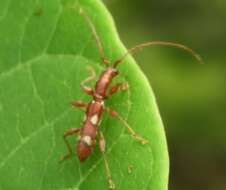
{"x":104,"y":82}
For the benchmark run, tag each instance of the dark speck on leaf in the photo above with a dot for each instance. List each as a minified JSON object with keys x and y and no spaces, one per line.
{"x":38,"y":12}
{"x":130,"y":168}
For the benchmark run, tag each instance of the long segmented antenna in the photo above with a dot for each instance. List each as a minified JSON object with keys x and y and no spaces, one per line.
{"x":161,"y":43}
{"x":96,"y":37}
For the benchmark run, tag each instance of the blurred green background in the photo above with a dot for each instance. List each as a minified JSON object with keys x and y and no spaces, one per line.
{"x":191,"y":97}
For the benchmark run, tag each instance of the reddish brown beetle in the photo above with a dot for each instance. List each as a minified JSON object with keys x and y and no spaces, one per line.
{"x":95,"y":109}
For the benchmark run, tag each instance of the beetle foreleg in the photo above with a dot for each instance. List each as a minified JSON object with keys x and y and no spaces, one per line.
{"x":92,"y":76}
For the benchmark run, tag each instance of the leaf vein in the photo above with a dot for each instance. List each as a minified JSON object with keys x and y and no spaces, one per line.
{"x":6,"y":11}
{"x":19,"y":146}
{"x":35,"y":90}
{"x":48,"y":158}
{"x":11,"y":71}
{"x":18,"y":127}
{"x":22,"y":37}
{"x":54,"y":30}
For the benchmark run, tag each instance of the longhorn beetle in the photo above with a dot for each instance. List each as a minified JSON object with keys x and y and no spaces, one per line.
{"x":101,"y":92}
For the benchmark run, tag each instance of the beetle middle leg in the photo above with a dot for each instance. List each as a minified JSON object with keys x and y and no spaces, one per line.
{"x":137,"y":137}
{"x":107,"y":169}
{"x":68,"y":133}
{"x":86,"y":89}
{"x":79,"y":104}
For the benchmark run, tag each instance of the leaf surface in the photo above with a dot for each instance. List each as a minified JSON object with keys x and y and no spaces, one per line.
{"x":44,"y":51}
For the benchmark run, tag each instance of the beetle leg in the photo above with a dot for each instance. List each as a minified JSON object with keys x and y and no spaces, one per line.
{"x":68,"y":133}
{"x":118,"y":87}
{"x":133,"y":134}
{"x":107,"y":169}
{"x":79,"y":104}
{"x":86,"y":89}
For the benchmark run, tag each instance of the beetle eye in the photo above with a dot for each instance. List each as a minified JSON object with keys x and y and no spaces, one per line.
{"x":116,"y":72}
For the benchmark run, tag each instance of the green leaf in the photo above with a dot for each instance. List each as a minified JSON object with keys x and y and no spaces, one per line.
{"x":45,"y":47}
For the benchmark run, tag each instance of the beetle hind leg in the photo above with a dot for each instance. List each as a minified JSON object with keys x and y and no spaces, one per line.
{"x":133,"y":134}
{"x":107,"y":169}
{"x":68,"y":133}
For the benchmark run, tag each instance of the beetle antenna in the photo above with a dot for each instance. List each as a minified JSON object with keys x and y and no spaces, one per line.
{"x":96,"y":37}
{"x":160,"y":43}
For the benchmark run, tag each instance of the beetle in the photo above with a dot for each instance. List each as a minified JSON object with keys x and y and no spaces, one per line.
{"x":95,"y":108}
